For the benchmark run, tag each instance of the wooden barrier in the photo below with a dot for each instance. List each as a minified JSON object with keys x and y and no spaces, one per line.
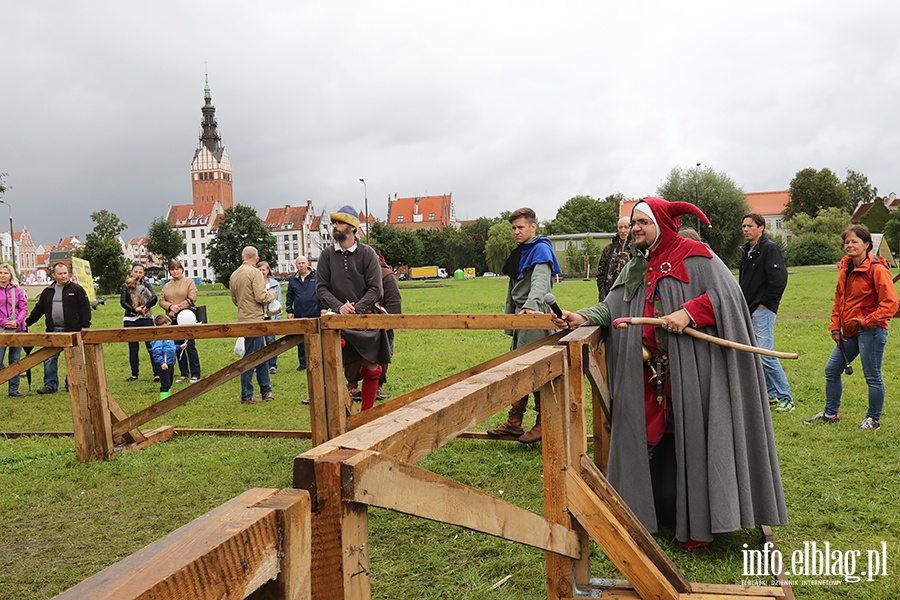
{"x":256,"y":545}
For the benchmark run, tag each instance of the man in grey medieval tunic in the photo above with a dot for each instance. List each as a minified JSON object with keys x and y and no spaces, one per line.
{"x":691,"y":434}
{"x":349,"y":282}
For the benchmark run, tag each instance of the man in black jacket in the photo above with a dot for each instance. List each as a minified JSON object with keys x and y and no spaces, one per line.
{"x":763,"y":277}
{"x":302,"y":301}
{"x":66,"y":307}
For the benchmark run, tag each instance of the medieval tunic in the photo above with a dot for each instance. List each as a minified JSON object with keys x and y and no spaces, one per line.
{"x":530,"y":269}
{"x":354,"y":275}
{"x":726,"y":467}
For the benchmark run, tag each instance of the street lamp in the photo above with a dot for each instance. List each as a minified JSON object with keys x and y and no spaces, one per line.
{"x":366,"y":194}
{"x":12,"y":241}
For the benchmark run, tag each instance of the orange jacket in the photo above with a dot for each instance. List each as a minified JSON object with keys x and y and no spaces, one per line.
{"x":867,"y":298}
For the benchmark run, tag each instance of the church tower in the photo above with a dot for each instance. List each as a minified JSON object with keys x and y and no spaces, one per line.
{"x":211,"y":169}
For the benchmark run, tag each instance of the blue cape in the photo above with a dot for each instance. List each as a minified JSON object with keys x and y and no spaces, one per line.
{"x":541,"y":251}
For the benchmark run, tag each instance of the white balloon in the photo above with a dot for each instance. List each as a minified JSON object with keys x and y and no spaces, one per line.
{"x":186,"y":317}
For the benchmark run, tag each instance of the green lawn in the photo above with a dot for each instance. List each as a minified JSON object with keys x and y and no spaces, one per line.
{"x":61,"y":521}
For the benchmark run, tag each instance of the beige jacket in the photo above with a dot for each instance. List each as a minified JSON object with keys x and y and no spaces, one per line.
{"x":177,"y":292}
{"x":248,"y":292}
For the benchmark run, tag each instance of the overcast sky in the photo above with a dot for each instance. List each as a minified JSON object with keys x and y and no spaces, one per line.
{"x":504,"y":104}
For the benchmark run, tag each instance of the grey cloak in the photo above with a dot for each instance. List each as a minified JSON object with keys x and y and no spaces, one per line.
{"x":727,"y":475}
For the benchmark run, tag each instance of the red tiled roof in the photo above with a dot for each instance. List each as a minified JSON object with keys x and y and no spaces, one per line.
{"x":861,"y":211}
{"x":439,"y":206}
{"x":285,"y":218}
{"x":768,"y":203}
{"x":316,"y":223}
{"x":191,"y":215}
{"x":138,"y":241}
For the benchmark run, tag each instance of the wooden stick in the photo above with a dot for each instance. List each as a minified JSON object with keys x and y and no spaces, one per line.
{"x":626,"y":321}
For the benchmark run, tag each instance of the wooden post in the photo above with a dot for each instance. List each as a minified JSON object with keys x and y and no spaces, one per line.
{"x":315,"y":383}
{"x":85,"y":442}
{"x":335,"y":384}
{"x":576,"y":424}
{"x":340,"y":535}
{"x":601,"y":403}
{"x":555,"y":447}
{"x":98,"y":400}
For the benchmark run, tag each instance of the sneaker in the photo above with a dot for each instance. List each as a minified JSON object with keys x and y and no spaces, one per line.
{"x":784,"y":406}
{"x":195,"y":379}
{"x":773,"y":402}
{"x":823,"y":418}
{"x":268,"y":396}
{"x":273,"y":370}
{"x":870,"y":423}
{"x":305,"y":401}
{"x":179,"y":380}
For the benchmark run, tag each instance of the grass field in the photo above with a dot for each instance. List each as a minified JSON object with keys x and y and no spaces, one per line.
{"x":61,"y":521}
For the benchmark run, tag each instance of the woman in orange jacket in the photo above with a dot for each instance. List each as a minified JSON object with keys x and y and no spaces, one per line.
{"x":864,"y":301}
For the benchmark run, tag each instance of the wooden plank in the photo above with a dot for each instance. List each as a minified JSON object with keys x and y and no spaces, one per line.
{"x":739,"y":591}
{"x":85,"y":443}
{"x":594,"y":514}
{"x":201,"y":332}
{"x":117,"y":413}
{"x":204,"y":385}
{"x":54,"y":340}
{"x":261,"y":433}
{"x":595,"y":367}
{"x":572,"y":405}
{"x":783,"y":581}
{"x":414,"y":431}
{"x":594,"y":479}
{"x":336,"y":394}
{"x":555,"y":450}
{"x":378,"y":480}
{"x":452,"y":321}
{"x":26,"y":362}
{"x":380,"y":410}
{"x":292,"y":508}
{"x":315,"y":385}
{"x":588,"y":334}
{"x":340,"y":550}
{"x":226,"y":553}
{"x":97,"y":400}
{"x":154,"y":436}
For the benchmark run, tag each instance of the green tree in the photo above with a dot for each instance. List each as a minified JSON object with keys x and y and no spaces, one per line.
{"x":812,"y":249}
{"x":720,"y":199}
{"x":859,"y":189}
{"x":876,"y":217}
{"x":892,"y":231}
{"x":163,"y":240}
{"x":499,"y":244}
{"x":103,"y":250}
{"x":812,"y":190}
{"x":239,"y":227}
{"x":399,"y":246}
{"x":829,"y":222}
{"x":583,"y":214}
{"x":469,"y":246}
{"x":574,"y":258}
{"x":3,"y":186}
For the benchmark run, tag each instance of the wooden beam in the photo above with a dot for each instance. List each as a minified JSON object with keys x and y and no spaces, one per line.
{"x":380,"y":410}
{"x":629,"y":523}
{"x":27,"y":362}
{"x":292,"y":509}
{"x":200,"y":332}
{"x":335,"y":385}
{"x":378,"y":480}
{"x":204,"y":385}
{"x":601,"y":401}
{"x":227,"y":553}
{"x":414,"y":431}
{"x":117,"y":413}
{"x":98,"y":400}
{"x":613,"y":537}
{"x":55,"y":340}
{"x":315,"y":386}
{"x":85,"y":442}
{"x":453,"y":321}
{"x":154,"y":436}
{"x":595,"y":369}
{"x":340,"y":545}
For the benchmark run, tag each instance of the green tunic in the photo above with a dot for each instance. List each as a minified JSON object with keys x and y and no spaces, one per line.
{"x":528,"y":292}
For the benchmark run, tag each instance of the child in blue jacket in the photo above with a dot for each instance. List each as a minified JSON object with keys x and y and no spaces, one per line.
{"x":163,"y":353}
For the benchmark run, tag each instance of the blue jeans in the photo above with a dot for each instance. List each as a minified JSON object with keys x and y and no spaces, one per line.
{"x":51,"y":367}
{"x":869,"y":345}
{"x":777,"y":384}
{"x":251,"y":345}
{"x":15,"y":352}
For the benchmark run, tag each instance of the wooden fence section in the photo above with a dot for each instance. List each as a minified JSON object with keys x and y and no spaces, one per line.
{"x":374,"y":465}
{"x":256,"y":546}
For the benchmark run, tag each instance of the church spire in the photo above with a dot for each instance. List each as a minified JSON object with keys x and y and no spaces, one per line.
{"x":209,"y":134}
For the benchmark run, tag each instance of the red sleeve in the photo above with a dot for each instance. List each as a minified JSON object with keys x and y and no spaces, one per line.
{"x":701,"y":311}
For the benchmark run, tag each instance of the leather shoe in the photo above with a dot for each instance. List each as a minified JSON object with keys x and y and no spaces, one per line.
{"x":251,"y":400}
{"x":532,"y":436}
{"x":268,"y":396}
{"x":16,"y":395}
{"x":46,"y":390}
